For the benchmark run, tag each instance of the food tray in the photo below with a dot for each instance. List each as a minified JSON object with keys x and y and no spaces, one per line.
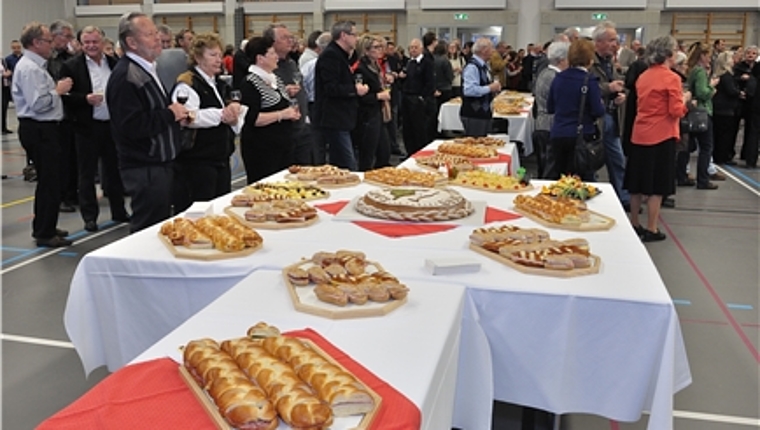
{"x":294,"y":178}
{"x":438,"y":183}
{"x":492,"y":190}
{"x":596,"y":264}
{"x":338,"y":422}
{"x":304,"y":299}
{"x":238,"y":212}
{"x":597,"y":222}
{"x":205,"y":254}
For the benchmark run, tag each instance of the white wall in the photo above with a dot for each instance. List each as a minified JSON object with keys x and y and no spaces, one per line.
{"x":16,"y":13}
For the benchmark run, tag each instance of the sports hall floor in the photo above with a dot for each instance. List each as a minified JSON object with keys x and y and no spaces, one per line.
{"x":709,"y":263}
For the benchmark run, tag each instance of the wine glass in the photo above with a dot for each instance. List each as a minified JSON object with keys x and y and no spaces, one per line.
{"x":358,"y":78}
{"x":182,"y":95}
{"x":236,"y":96}
{"x":297,"y":79}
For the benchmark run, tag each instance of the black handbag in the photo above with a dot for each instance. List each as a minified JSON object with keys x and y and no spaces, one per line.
{"x":695,"y":121}
{"x":589,"y":153}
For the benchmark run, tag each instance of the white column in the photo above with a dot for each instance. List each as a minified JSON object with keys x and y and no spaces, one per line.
{"x":528,"y":23}
{"x":228,"y":23}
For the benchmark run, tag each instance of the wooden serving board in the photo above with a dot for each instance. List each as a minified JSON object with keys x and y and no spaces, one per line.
{"x":324,"y":196}
{"x":491,"y":190}
{"x":238,"y":213}
{"x":438,"y":183}
{"x":221,"y":424}
{"x":596,"y":264}
{"x":598,"y":222}
{"x":305,"y":301}
{"x":475,"y":159}
{"x":294,"y":178}
{"x":205,"y":254}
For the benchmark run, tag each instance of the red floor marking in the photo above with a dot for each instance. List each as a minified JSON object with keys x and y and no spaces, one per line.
{"x":716,"y":226}
{"x":614,"y":425}
{"x":26,"y":218}
{"x":690,"y":320}
{"x":714,"y":294}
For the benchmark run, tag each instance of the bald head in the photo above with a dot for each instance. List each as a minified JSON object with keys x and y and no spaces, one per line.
{"x":415,"y":48}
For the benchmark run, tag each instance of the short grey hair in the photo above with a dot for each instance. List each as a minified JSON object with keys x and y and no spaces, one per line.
{"x":127,"y":27}
{"x":91,"y":29}
{"x":557,"y":52}
{"x":750,"y":48}
{"x":59,"y":25}
{"x":164,"y":29}
{"x":481,"y":44}
{"x":269,"y":32}
{"x":572,"y":32}
{"x":323,"y":40}
{"x":660,"y":49}
{"x":341,"y":27}
{"x":31,"y":32}
{"x":601,"y":29}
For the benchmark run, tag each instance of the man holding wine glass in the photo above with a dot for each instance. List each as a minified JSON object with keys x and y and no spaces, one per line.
{"x":202,"y":168}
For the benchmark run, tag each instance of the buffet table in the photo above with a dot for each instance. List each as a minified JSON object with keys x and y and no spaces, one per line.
{"x":520,"y":126}
{"x":606,"y":344}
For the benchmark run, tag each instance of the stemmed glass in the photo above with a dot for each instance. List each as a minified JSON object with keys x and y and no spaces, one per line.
{"x":236,"y":96}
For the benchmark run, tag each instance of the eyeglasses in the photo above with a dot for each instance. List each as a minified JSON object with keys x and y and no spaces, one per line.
{"x":351,"y":34}
{"x":46,"y":40}
{"x":376,"y":47}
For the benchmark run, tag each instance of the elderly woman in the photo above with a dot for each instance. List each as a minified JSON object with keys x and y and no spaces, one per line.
{"x":726,"y":103}
{"x":557,"y":56}
{"x":703,"y":90}
{"x":650,"y":170}
{"x":202,"y":169}
{"x":564,"y":102}
{"x":374,"y":149}
{"x":267,"y":139}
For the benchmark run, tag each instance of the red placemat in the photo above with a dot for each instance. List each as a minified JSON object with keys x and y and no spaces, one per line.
{"x":153,"y":395}
{"x":396,"y":411}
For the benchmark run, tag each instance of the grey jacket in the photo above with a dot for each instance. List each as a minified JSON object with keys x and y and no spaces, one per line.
{"x":541,"y":90}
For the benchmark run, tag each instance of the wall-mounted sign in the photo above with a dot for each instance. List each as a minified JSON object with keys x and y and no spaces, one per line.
{"x":599,"y":16}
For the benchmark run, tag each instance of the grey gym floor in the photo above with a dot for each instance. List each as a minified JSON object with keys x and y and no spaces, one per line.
{"x":709,"y":263}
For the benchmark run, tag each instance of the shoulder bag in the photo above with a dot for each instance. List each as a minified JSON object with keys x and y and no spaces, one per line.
{"x":589,"y":154}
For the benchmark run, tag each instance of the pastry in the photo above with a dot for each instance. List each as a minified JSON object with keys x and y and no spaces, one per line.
{"x":403,"y":176}
{"x":469,"y":151}
{"x":335,"y":269}
{"x":318,"y":275}
{"x":262,"y":330}
{"x":331,"y":294}
{"x":298,"y":277}
{"x":414,"y":204}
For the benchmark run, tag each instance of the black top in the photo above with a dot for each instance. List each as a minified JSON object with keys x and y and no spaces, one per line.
{"x":335,"y":99}
{"x":369,"y":104}
{"x":75,"y":102}
{"x":444,"y":73}
{"x":726,"y":97}
{"x":240,"y":66}
{"x":420,"y":76}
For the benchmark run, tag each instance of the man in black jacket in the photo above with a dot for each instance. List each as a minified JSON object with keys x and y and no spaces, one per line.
{"x":144,"y":123}
{"x":336,"y":95}
{"x":85,"y":105}
{"x":418,"y":104}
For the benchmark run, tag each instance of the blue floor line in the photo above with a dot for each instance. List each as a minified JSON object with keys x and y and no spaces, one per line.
{"x":12,"y":249}
{"x":22,"y":256}
{"x":68,"y":254}
{"x":742,"y":175}
{"x":681,"y":302}
{"x":739,"y":307}
{"x":239,"y":175}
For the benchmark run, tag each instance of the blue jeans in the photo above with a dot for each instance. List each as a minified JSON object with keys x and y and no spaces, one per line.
{"x":615,"y":159}
{"x":340,"y":148}
{"x":705,"y":143}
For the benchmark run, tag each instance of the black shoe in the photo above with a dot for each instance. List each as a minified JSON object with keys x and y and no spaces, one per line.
{"x":653,"y":236}
{"x":669,"y":202}
{"x":65,"y":207}
{"x":750,"y":166}
{"x":709,"y":186}
{"x":730,"y":163}
{"x":30,"y":174}
{"x":54,"y":242}
{"x":6,"y":131}
{"x":687,"y":183}
{"x":121,"y":219}
{"x":627,"y":208}
{"x":58,"y":232}
{"x":639,"y":229}
{"x":91,"y":226}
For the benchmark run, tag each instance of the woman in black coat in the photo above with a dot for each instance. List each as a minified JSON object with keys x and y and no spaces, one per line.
{"x":725,"y":110}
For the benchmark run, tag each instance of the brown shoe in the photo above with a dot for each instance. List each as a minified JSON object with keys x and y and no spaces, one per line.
{"x":55,"y":242}
{"x":717,"y":176}
{"x":709,"y":186}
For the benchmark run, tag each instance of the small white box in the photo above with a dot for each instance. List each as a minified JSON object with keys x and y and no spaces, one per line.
{"x":451,"y":266}
{"x":199,"y":210}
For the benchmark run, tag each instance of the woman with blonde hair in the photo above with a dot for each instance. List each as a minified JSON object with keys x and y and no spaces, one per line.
{"x":726,"y":105}
{"x":373,"y":148}
{"x":702,"y":90}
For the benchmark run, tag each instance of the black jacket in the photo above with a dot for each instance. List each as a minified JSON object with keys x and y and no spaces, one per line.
{"x":420,"y":77}
{"x":335,"y":98}
{"x":369,"y":104}
{"x":75,"y":102}
{"x":726,"y":98}
{"x":142,"y":124}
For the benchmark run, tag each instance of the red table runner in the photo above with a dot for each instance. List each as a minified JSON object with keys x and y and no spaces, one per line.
{"x":153,"y":395}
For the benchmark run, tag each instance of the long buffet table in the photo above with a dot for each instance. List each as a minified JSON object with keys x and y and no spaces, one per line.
{"x":520,"y":126}
{"x":608,"y":344}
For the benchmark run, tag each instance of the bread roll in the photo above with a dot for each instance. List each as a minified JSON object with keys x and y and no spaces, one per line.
{"x":331,"y":294}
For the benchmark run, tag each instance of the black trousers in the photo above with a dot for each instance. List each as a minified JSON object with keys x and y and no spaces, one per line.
{"x":304,"y":152}
{"x":751,"y":135}
{"x":199,"y":181}
{"x":374,"y":151}
{"x":415,"y":122}
{"x":725,"y":129}
{"x":40,"y":141}
{"x":560,"y":159}
{"x":6,"y":99}
{"x":68,"y":160}
{"x":540,"y":143}
{"x":97,"y":142}
{"x":150,"y":188}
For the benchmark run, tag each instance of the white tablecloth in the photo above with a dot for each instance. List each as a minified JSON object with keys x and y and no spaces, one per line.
{"x":520,"y":126}
{"x":414,"y":353}
{"x":608,"y":344}
{"x":509,"y":148}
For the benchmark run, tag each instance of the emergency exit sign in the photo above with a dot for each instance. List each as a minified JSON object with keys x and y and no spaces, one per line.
{"x":598,"y":16}
{"x":461,"y":17}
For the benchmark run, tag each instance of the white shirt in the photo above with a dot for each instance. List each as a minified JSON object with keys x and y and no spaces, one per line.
{"x":33,"y":90}
{"x":206,"y":117}
{"x":307,"y":71}
{"x":148,"y":67}
{"x":99,"y":74}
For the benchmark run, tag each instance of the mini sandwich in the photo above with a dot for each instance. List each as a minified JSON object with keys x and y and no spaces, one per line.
{"x":298,"y":277}
{"x":262,"y":330}
{"x":241,"y":200}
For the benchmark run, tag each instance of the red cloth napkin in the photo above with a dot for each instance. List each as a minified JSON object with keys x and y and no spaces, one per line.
{"x":396,"y":411}
{"x":494,"y":215}
{"x":153,"y":395}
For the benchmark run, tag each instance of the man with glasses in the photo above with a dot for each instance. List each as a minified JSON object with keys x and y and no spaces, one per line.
{"x":336,"y":95}
{"x":145,"y":124}
{"x":40,"y":110}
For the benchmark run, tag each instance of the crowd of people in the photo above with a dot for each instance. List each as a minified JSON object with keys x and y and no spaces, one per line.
{"x":155,"y":115}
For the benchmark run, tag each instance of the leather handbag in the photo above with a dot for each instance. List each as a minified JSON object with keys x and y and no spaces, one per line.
{"x":589,"y":152}
{"x":695,"y":121}
{"x":386,"y":110}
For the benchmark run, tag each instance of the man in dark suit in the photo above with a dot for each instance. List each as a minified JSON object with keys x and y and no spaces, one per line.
{"x":418,"y":103}
{"x":336,"y":95}
{"x":144,"y":123}
{"x":86,"y":106}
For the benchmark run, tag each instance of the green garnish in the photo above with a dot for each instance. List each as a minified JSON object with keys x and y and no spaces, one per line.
{"x":399,"y":193}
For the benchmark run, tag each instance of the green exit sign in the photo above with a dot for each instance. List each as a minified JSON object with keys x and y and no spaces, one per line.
{"x":461,"y":17}
{"x":598,"y":16}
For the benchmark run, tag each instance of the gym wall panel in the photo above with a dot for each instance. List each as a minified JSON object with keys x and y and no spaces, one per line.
{"x":16,"y":13}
